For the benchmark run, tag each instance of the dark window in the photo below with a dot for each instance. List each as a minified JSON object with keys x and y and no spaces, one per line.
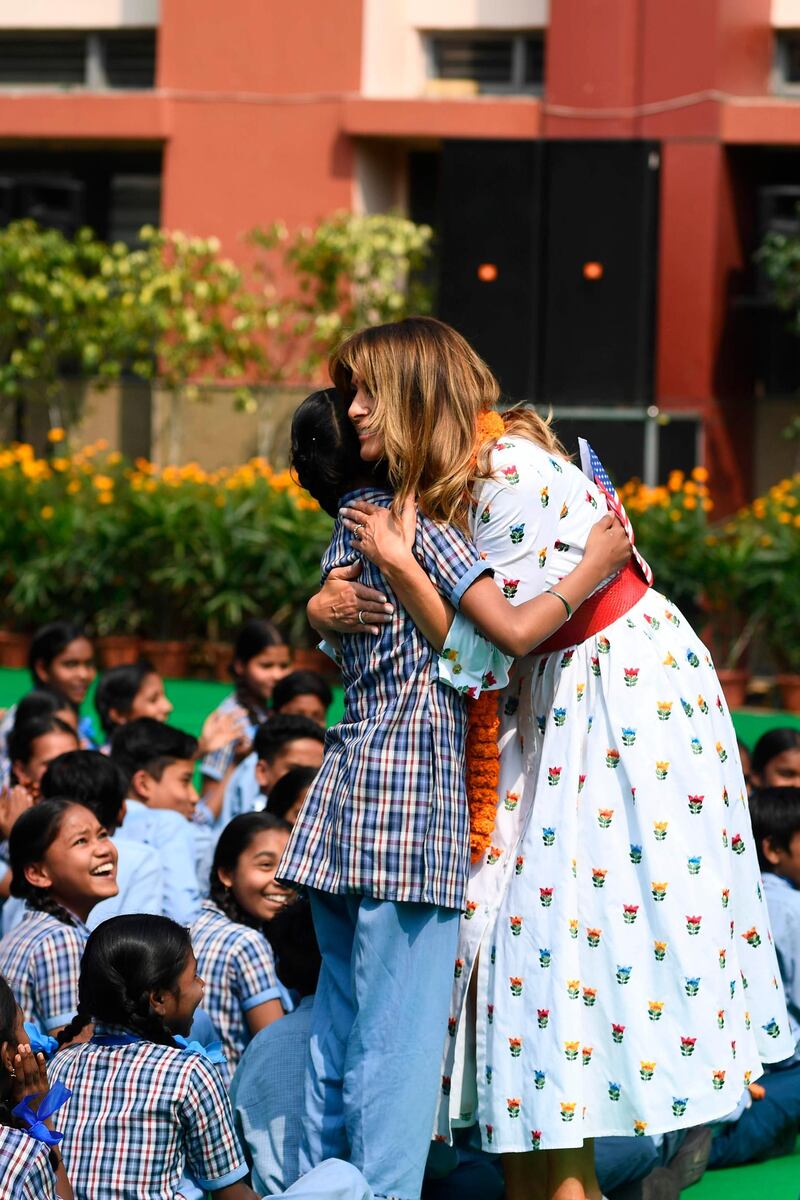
{"x":120,"y":58}
{"x":57,"y":58}
{"x":130,"y":59}
{"x":495,"y":62}
{"x":786,"y":73}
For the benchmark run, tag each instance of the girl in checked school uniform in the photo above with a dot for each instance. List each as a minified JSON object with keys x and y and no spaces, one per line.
{"x":147,"y":1108}
{"x":30,"y":1162}
{"x":234,"y":957}
{"x":63,"y":863}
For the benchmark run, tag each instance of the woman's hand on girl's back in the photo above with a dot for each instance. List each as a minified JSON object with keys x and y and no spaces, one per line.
{"x":381,"y":536}
{"x":30,"y":1075}
{"x":608,"y":546}
{"x":345,"y":606}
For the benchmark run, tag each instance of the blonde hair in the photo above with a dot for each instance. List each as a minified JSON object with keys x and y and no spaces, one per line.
{"x":430,"y":387}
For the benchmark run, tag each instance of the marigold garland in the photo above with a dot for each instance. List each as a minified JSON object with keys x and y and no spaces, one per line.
{"x":483,"y":770}
{"x":483,"y":723}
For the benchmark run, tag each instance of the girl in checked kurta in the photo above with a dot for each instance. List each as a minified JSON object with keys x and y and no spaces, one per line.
{"x":626,"y":980}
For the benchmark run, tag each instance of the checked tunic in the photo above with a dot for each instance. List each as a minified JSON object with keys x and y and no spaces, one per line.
{"x":387,"y":814}
{"x":41,"y":959}
{"x":25,"y":1169}
{"x":142,"y":1116}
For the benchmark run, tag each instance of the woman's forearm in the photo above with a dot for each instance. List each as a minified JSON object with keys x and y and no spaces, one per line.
{"x":427,"y":608}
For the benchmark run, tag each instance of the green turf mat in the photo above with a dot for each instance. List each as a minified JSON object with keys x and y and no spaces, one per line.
{"x":778,"y":1179}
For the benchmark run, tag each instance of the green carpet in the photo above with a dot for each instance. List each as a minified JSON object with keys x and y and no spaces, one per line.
{"x":778,"y":1179}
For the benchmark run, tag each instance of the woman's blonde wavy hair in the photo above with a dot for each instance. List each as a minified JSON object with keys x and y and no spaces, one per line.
{"x":430,"y":387}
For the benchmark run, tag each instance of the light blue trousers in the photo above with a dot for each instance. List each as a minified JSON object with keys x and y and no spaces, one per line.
{"x":380,"y":1016}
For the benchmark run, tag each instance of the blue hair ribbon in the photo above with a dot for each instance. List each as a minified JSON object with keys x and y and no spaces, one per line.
{"x":212,"y":1052}
{"x":35,"y":1121}
{"x":41,"y":1043}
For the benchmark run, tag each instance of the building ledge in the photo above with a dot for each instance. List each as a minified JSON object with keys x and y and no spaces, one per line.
{"x":429,"y":117}
{"x":118,"y":116}
{"x":772,"y":120}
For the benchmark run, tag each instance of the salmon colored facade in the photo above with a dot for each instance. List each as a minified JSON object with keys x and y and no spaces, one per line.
{"x":267,"y":110}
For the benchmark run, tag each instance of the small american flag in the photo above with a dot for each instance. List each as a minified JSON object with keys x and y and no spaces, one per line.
{"x":592,"y":467}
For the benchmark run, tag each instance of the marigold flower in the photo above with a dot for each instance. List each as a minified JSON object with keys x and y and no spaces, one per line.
{"x":47,"y":513}
{"x":56,"y":434}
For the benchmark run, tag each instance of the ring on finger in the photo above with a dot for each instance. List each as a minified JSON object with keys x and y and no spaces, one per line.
{"x":357,"y":531}
{"x":361,"y":620}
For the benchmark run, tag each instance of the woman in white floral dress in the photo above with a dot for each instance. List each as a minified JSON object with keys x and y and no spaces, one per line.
{"x":627,"y":982}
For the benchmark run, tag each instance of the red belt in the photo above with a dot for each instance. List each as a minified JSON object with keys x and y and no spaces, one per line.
{"x":599,"y":611}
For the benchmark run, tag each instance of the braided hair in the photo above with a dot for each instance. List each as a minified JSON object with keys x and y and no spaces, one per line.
{"x":9,"y":1010}
{"x":234,"y":840}
{"x":125,"y":960}
{"x":33,"y":834}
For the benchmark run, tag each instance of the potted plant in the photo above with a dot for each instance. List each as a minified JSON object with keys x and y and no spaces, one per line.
{"x":774,"y":523}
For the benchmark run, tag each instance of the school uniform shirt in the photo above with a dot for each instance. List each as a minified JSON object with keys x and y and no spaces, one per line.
{"x":238,"y":968}
{"x":142,"y":1116}
{"x":243,"y":793}
{"x":40,"y":960}
{"x":140,"y":879}
{"x":387,"y":814}
{"x":25,"y":1170}
{"x":783,"y":905}
{"x":170,"y":835}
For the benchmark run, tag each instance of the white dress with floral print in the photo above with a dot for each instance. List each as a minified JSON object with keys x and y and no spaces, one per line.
{"x":627,"y":981}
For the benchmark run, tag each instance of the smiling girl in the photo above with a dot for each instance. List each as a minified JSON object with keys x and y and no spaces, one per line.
{"x":234,"y":956}
{"x":63,"y":863}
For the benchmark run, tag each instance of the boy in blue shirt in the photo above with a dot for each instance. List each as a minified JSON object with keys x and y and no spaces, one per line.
{"x":768,"y":1126}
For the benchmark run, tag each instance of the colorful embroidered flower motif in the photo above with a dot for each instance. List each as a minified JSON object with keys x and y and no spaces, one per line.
{"x":515,"y":1046}
{"x":696,"y":804}
{"x":772,"y":1028}
{"x":573,"y":927}
{"x":559,"y":716}
{"x":737,"y":844}
{"x":599,"y":876}
{"x":517,"y":533}
{"x":603,"y":644}
{"x":511,"y":474}
{"x":612,"y":758}
{"x":694,"y":864}
{"x":489,"y":1134}
{"x":629,"y":913}
{"x":489,"y":1075}
{"x":470,"y":910}
{"x":554,"y":776}
{"x":623,"y":974}
{"x":543,"y":556}
{"x":566,"y":658}
{"x":658,"y":891}
{"x":581,"y":782}
{"x":660,"y":951}
{"x":595,"y":665}
{"x":510,"y":587}
{"x":718,"y":1080}
{"x":628,"y":737}
{"x":459,"y":968}
{"x":687,"y":1046}
{"x":662,"y":770}
{"x":614,"y":1090}
{"x":693,"y":925}
{"x":548,"y":836}
{"x":513,"y":1106}
{"x":639,"y":1128}
{"x":722,"y":752}
{"x":604,"y":817}
{"x":635,"y":854}
{"x":692,"y":658}
{"x":655,"y":1008}
{"x":544,"y":496}
{"x":696,"y":746}
{"x":591,"y":500}
{"x":580,"y":688}
{"x":486,"y":515}
{"x":567,"y":1111}
{"x":726,"y":897}
{"x":752,"y":937}
{"x":543,"y":1017}
{"x":617,"y":1034}
{"x":494,"y":855}
{"x":452,"y":1025}
{"x":669,"y":661}
{"x":545,"y":896}
{"x":691,"y":986}
{"x":560,"y":547}
{"x":664,"y":709}
{"x":516,"y":925}
{"x":511,"y":801}
{"x":519,"y":865}
{"x":593,"y":937}
{"x":545,"y":958}
{"x":515,"y":983}
{"x":701,"y":704}
{"x":573,"y":988}
{"x":564,"y":511}
{"x":586,"y":1055}
{"x":687,"y":708}
{"x":660,"y":830}
{"x":590,"y":997}
{"x":490,"y":1013}
{"x":536,"y":1139}
{"x":646,"y":1070}
{"x":653,"y":622}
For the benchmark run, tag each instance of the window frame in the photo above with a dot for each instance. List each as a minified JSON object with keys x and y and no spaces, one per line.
{"x":517,"y":37}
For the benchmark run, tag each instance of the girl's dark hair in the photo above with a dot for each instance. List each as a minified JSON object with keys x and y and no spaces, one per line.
{"x":325,"y":454}
{"x":297,"y":957}
{"x":22,"y":736}
{"x":125,"y":959}
{"x":234,"y":840}
{"x":118,"y":688}
{"x":90,"y":778}
{"x":33,"y":832}
{"x":770,"y":745}
{"x":301,"y":683}
{"x":50,"y":641}
{"x":288,"y":788}
{"x":775,"y":814}
{"x":8,"y":1019}
{"x":43,"y":702}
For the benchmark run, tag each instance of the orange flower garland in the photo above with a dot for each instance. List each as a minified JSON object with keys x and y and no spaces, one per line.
{"x":483,"y":723}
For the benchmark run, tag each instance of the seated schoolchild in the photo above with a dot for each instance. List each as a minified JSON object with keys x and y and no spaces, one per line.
{"x":31,"y":1167}
{"x":261,"y":657}
{"x":60,"y":660}
{"x":95,"y":780}
{"x":775,"y":761}
{"x":157,"y":762}
{"x":267,"y":1091}
{"x":32,"y":746}
{"x":281,"y":743}
{"x":287,"y":795}
{"x":229,"y":937}
{"x":305,"y":694}
{"x":767,"y":1126}
{"x":63,"y":864}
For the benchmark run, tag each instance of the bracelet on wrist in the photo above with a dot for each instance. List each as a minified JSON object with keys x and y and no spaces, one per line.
{"x":567,"y":606}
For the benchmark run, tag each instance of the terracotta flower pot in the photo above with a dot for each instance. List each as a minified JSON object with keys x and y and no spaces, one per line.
{"x":170,"y":659}
{"x":789,"y":687}
{"x":219,"y":656}
{"x":117,"y":650}
{"x":315,"y":660}
{"x":734,"y":684}
{"x":14,"y":648}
